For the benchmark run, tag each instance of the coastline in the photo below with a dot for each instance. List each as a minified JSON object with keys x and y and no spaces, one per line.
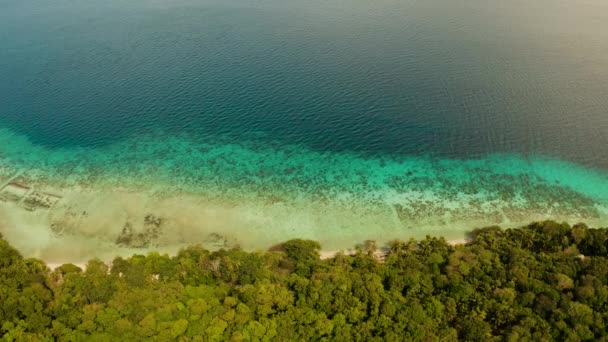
{"x":107,"y":222}
{"x":104,"y":225}
{"x":144,"y":194}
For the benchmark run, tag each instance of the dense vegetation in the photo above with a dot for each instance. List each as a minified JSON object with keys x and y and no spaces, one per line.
{"x":547,"y":281}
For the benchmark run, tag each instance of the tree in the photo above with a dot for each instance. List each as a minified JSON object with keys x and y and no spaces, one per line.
{"x":515,"y":284}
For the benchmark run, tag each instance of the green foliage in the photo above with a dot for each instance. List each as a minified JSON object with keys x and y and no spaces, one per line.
{"x":302,"y":255}
{"x":547,"y":281}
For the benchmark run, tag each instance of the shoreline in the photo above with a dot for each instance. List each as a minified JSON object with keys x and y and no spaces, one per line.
{"x":379,"y":253}
{"x":102,"y":224}
{"x":89,"y":220}
{"x":323,"y":255}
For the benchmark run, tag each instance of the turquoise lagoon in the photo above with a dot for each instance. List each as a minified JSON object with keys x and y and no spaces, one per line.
{"x":130,"y":126}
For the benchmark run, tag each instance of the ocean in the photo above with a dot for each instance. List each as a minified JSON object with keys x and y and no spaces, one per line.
{"x":150,"y":125}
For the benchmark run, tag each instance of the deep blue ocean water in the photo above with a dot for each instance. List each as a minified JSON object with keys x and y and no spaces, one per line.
{"x":381,"y":100}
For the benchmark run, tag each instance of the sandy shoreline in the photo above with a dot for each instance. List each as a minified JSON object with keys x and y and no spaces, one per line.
{"x":379,"y":253}
{"x":323,"y":255}
{"x":89,"y":224}
{"x":74,"y":223}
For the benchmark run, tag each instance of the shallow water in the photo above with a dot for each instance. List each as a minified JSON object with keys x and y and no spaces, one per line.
{"x":250,"y":122}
